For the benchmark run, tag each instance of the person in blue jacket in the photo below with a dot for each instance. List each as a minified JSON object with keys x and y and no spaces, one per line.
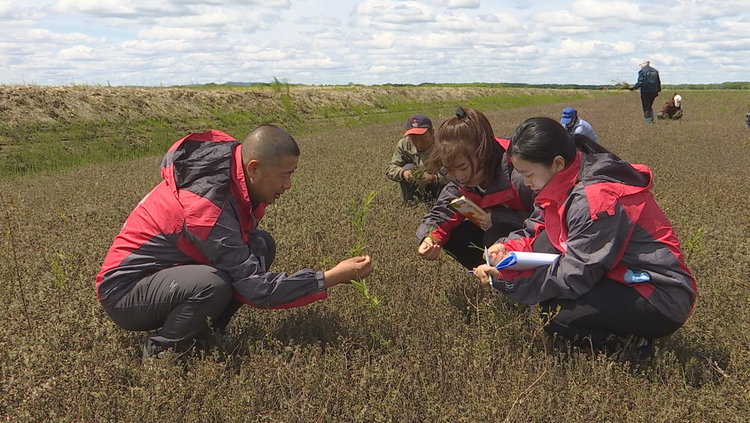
{"x":650,"y":85}
{"x":575,"y":125}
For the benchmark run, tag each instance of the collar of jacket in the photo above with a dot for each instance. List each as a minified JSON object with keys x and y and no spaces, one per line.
{"x":238,"y":186}
{"x":557,"y":189}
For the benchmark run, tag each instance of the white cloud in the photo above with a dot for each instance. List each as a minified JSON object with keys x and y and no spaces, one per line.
{"x":175,"y":34}
{"x":592,"y":48}
{"x":79,"y":52}
{"x":111,"y":8}
{"x":459,"y":4}
{"x":272,"y":4}
{"x":392,"y":15}
{"x":321,"y":20}
{"x":524,"y":4}
{"x":326,"y":34}
{"x":138,"y":41}
{"x":6,"y":9}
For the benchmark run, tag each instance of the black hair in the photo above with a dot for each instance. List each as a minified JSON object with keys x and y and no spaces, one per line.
{"x":269,"y":143}
{"x":541,"y":139}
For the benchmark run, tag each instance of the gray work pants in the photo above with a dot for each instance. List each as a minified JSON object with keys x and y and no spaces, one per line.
{"x":175,"y":303}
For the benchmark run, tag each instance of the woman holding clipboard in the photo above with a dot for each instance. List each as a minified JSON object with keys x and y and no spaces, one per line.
{"x":620,"y":275}
{"x":482,"y":184}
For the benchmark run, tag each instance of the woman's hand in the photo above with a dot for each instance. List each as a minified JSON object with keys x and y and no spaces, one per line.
{"x":483,"y":273}
{"x":485,"y":222}
{"x":429,"y":249}
{"x":497,"y":253}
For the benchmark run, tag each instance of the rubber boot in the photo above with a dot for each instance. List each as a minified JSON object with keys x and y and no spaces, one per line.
{"x":649,"y":117}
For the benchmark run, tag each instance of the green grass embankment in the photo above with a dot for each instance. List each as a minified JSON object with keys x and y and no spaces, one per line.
{"x":55,"y":128}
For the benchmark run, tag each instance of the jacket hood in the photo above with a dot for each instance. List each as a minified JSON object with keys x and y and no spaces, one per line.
{"x":195,"y":157}
{"x":608,"y":168}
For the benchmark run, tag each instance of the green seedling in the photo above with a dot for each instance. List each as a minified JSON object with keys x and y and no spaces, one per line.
{"x":357,"y":219}
{"x":694,"y":245}
{"x":58,"y":273}
{"x":361,"y":287}
{"x":417,"y":175}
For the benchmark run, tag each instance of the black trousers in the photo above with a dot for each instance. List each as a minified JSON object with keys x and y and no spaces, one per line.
{"x":176,"y":303}
{"x":606,"y":316}
{"x":647,"y":101}
{"x":467,"y":242}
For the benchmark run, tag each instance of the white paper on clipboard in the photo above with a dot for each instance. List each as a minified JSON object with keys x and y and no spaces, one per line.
{"x":520,"y":260}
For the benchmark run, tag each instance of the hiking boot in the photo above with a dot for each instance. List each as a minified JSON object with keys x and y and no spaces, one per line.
{"x":167,"y":355}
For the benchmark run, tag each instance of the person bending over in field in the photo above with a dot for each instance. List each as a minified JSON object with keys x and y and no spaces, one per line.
{"x":407,"y":166}
{"x":480,"y":171}
{"x":191,"y":251}
{"x":620,"y":273}
{"x":672,"y":109}
{"x":575,"y":125}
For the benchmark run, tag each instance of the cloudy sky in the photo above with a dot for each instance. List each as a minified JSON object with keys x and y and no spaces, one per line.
{"x":175,"y":42}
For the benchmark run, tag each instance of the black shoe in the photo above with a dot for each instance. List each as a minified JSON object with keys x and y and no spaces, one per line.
{"x":644,"y":349}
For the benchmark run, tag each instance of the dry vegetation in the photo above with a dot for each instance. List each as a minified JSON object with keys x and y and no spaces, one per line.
{"x":453,"y":353}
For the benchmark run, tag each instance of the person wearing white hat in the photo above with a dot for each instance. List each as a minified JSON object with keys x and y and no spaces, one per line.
{"x":650,"y":85}
{"x":672,"y":109}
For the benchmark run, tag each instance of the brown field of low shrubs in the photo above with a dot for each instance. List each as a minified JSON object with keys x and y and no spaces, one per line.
{"x":439,"y":347}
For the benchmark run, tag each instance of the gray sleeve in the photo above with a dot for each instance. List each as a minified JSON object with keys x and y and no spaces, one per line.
{"x":528,"y":229}
{"x":442,"y":218}
{"x":593,"y":248}
{"x":224,"y":249}
{"x":395,"y":166}
{"x":502,"y":215}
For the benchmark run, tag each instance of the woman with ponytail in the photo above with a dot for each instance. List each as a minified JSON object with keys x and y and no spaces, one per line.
{"x":620,"y":275}
{"x":479,"y":170}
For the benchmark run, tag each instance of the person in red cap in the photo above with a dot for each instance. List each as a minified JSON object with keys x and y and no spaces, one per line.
{"x":408,"y":162}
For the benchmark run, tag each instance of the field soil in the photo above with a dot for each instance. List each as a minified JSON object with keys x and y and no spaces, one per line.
{"x":438,"y":347}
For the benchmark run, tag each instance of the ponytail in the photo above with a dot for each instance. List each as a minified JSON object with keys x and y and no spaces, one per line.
{"x":586,"y":145}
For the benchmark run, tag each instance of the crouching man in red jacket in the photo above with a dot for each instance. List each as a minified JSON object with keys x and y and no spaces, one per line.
{"x":191,"y":249}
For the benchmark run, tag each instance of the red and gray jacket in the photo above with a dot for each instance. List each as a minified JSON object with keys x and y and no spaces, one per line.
{"x":600,"y":213}
{"x":507,"y":198}
{"x":201,"y":214}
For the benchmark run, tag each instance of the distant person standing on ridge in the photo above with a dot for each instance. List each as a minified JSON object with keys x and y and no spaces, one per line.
{"x":408,"y":162}
{"x":576,"y":125}
{"x":650,"y":85}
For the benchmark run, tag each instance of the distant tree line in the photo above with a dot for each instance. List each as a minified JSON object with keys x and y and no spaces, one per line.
{"x":616,"y":85}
